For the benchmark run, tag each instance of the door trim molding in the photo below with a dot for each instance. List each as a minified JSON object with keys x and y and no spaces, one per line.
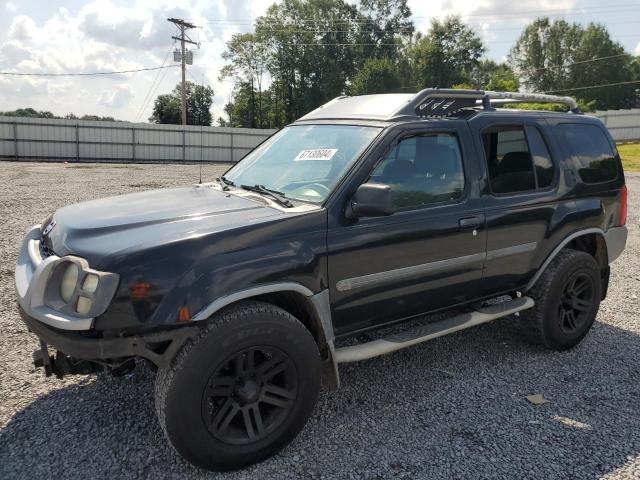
{"x":398,"y":274}
{"x":512,"y":250}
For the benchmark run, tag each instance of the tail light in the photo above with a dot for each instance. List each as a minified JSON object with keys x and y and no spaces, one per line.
{"x":623,"y":206}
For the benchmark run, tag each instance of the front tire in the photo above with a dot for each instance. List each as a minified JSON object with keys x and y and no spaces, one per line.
{"x":242,"y":389}
{"x":567,"y":297}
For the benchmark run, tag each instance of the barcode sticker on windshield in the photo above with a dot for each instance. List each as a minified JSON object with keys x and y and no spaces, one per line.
{"x":316,"y":154}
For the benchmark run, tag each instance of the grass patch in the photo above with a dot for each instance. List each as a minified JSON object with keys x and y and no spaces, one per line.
{"x":630,"y":154}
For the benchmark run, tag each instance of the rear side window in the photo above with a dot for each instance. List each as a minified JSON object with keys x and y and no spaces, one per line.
{"x":591,"y":151}
{"x":508,"y":160}
{"x":518,"y":159}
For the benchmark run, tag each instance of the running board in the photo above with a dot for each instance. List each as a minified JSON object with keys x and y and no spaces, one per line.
{"x":422,"y":333}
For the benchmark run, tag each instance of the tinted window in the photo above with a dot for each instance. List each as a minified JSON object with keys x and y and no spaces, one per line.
{"x":508,"y":160}
{"x":592,"y":154}
{"x":541,"y":158}
{"x":422,"y":169}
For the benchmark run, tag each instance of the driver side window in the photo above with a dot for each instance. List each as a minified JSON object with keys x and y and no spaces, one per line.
{"x":422,"y":170}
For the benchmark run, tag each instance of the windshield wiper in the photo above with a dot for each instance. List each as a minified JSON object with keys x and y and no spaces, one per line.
{"x":224,"y":183}
{"x":277,"y":196}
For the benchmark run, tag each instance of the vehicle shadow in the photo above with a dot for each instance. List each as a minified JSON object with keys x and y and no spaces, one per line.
{"x":454,"y":407}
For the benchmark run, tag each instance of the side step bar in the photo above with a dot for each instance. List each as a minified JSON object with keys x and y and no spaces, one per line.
{"x":422,"y":333}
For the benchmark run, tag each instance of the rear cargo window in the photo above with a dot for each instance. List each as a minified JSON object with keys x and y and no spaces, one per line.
{"x":591,"y":151}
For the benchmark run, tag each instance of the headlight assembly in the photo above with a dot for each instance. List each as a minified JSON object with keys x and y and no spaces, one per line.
{"x":76,"y":289}
{"x":69,"y":281}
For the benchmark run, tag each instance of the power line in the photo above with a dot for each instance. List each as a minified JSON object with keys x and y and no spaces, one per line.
{"x":399,"y":31}
{"x":346,"y":44}
{"x":594,"y":86}
{"x":625,"y":7}
{"x":153,"y":86}
{"x":78,"y":74}
{"x":599,"y":59}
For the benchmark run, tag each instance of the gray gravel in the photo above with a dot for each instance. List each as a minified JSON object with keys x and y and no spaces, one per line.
{"x":451,"y":408}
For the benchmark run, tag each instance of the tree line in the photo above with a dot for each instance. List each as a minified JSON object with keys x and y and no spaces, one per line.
{"x":32,"y":113}
{"x":303,"y":53}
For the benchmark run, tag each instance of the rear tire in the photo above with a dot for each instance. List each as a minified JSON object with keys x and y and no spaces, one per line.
{"x":567,"y":297}
{"x":241,"y":390}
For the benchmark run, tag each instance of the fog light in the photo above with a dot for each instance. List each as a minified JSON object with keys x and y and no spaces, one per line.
{"x":83,"y":306}
{"x":90,"y":283}
{"x":68,"y":282}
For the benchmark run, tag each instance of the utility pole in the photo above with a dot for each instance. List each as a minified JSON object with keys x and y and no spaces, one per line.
{"x":183,"y":38}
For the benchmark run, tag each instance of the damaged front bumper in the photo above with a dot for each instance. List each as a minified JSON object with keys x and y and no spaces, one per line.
{"x":80,"y":348}
{"x":76,"y":350}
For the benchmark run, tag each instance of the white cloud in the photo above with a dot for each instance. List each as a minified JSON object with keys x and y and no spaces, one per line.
{"x":117,"y":97}
{"x":22,"y":28}
{"x":637,"y":50}
{"x":104,"y":35}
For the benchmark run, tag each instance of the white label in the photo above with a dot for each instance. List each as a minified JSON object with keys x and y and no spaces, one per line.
{"x":316,"y":154}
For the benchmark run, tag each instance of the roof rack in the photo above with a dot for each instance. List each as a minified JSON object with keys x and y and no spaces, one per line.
{"x":436,"y":102}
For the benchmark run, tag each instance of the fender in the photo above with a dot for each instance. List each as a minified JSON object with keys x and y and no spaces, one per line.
{"x":615,"y":239}
{"x":322,"y":311}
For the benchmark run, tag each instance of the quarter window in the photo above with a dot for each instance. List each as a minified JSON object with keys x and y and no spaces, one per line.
{"x":541,"y":158}
{"x":422,"y":170}
{"x":592,"y":154}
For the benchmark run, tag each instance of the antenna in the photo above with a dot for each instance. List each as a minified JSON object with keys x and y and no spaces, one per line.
{"x":201,"y":133}
{"x":200,"y":162}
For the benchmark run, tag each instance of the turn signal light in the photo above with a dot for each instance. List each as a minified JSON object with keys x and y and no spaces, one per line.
{"x":184,"y":315}
{"x":140,"y":290}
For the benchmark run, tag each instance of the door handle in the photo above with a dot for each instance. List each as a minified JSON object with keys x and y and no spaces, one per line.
{"x":470,"y":222}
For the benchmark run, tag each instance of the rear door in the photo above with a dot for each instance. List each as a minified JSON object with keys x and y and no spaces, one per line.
{"x":520,"y":196}
{"x":427,"y":255}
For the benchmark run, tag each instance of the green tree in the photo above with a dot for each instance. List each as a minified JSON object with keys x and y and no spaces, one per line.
{"x":388,"y":26}
{"x":560,"y":57}
{"x":446,"y":55}
{"x":28,"y":112}
{"x":167,"y":107}
{"x":490,"y":75}
{"x":248,"y":56}
{"x":378,"y":75}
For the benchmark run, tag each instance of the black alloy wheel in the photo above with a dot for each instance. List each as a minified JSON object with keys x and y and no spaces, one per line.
{"x":250,"y":395}
{"x":576,"y":303}
{"x":567,"y":297}
{"x":241,"y":389}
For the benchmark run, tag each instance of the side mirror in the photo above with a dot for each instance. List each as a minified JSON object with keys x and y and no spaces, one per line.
{"x":370,"y":200}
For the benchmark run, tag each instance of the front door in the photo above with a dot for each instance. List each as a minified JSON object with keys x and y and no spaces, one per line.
{"x":429,"y":253}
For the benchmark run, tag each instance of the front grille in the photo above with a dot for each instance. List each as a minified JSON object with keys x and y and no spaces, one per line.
{"x":44,"y":250}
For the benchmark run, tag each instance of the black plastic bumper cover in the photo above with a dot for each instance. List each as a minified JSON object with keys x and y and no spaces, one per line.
{"x":158,"y":347}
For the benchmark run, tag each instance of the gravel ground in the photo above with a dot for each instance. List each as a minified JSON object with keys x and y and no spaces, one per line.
{"x":451,"y":408}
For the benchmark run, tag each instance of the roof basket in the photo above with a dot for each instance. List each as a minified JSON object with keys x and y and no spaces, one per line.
{"x":436,"y":102}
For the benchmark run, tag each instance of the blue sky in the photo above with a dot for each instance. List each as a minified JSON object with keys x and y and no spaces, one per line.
{"x":101,"y":35}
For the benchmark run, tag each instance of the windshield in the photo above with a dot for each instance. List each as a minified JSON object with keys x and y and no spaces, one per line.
{"x":303,"y":162}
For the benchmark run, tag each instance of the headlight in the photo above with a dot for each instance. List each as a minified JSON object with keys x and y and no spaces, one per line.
{"x":73,"y":288}
{"x":68,"y":282}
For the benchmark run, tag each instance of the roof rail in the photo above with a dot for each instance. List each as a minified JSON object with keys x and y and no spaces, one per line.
{"x":523,"y":97}
{"x":436,"y":102}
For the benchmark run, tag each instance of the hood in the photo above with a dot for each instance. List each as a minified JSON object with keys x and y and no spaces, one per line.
{"x":106,"y":226}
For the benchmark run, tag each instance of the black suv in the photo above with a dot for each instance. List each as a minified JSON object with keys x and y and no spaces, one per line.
{"x":368,"y":211}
